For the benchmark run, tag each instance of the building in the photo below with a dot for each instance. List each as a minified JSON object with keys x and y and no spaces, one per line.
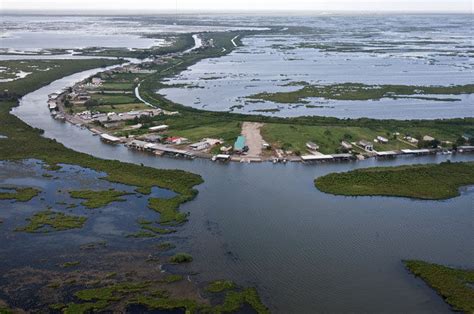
{"x":411,"y":139}
{"x":152,"y":138}
{"x":213,"y":141}
{"x":346,"y":145}
{"x":138,"y":145}
{"x":366,"y":145}
{"x":200,"y":145}
{"x":96,"y":81}
{"x":315,"y":158}
{"x":159,"y":128}
{"x":382,"y":139}
{"x":109,"y":138}
{"x":176,"y":140}
{"x":428,"y":138}
{"x":239,"y":145}
{"x":465,"y":149}
{"x":312,"y":146}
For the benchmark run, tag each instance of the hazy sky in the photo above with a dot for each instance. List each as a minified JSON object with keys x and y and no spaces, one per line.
{"x":229,"y":5}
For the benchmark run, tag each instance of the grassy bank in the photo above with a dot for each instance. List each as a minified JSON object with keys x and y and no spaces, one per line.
{"x":429,"y":182}
{"x":453,"y":285}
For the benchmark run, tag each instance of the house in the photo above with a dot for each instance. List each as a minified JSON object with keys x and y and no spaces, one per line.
{"x":109,"y":138}
{"x":382,"y":139}
{"x":346,"y":145}
{"x":366,"y":145}
{"x":428,"y":138}
{"x":225,"y":149}
{"x":200,"y":145}
{"x":96,"y":80}
{"x":153,"y":138}
{"x":213,"y":141}
{"x":159,"y":128}
{"x":138,"y":145}
{"x":176,"y":140}
{"x":411,"y":139}
{"x":467,"y":136}
{"x":312,"y":146}
{"x":239,"y":145}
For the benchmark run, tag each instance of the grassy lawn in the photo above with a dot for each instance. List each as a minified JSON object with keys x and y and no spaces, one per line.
{"x":114,"y":99}
{"x":450,"y":283}
{"x":118,"y":108}
{"x":112,"y":86}
{"x":429,"y":182}
{"x":295,"y":137}
{"x":225,"y":130}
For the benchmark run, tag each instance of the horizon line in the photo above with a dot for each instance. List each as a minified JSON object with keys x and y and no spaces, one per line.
{"x":228,"y":11}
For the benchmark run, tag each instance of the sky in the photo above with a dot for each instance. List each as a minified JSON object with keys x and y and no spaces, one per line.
{"x":464,"y":6}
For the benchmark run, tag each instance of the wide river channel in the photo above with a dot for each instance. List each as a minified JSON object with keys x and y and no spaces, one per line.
{"x":306,"y":251}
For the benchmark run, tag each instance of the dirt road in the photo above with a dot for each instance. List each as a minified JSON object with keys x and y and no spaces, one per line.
{"x":254,"y":140}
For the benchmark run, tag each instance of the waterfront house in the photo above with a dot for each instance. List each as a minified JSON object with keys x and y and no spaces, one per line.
{"x":109,"y":138}
{"x":467,"y":136}
{"x":200,"y":146}
{"x":346,"y":145}
{"x":176,"y":140}
{"x":382,"y":140}
{"x":152,"y":138}
{"x":312,"y":146}
{"x":428,"y":138}
{"x":138,"y":145}
{"x":366,"y":145}
{"x":159,"y":128}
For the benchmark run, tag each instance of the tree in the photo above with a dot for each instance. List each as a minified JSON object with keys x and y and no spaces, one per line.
{"x":90,"y":103}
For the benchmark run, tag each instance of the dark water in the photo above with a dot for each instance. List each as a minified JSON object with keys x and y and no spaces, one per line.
{"x":266,"y":225}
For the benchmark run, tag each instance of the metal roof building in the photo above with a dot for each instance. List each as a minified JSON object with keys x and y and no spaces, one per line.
{"x":239,"y":143}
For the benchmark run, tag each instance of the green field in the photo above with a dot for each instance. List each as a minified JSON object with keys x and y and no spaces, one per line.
{"x":57,"y":69}
{"x":452,"y":284}
{"x":126,"y":86}
{"x":428,"y":182}
{"x":294,"y":137}
{"x":117,"y":108}
{"x":114,"y":99}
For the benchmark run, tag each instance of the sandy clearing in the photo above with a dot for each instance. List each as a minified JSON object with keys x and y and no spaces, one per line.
{"x":254,"y":140}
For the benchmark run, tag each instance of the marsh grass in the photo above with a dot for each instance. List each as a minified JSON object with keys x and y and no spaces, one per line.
{"x":429,"y":182}
{"x":453,"y":285}
{"x":97,"y":199}
{"x":19,"y":194}
{"x":50,"y":221}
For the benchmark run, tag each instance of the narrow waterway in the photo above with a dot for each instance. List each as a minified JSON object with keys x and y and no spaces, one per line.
{"x":306,"y":251}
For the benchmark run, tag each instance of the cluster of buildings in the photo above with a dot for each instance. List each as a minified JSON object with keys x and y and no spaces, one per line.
{"x":111,"y":117}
